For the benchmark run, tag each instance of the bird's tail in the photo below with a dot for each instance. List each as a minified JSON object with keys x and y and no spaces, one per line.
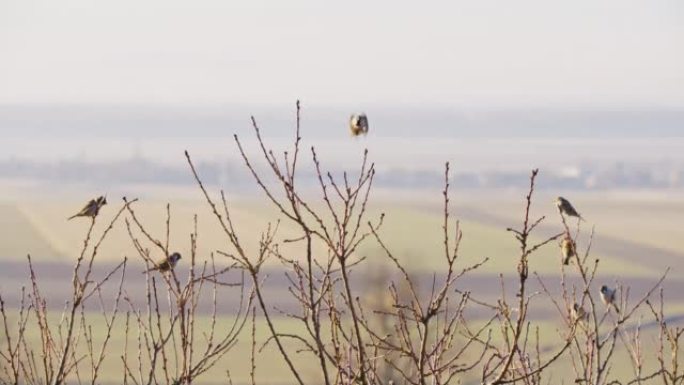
{"x":72,"y":217}
{"x":566,"y":261}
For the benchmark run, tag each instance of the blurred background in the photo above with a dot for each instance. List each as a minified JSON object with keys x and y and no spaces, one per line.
{"x":103,"y":97}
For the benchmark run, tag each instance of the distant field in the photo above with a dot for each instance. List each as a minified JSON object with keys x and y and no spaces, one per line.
{"x":19,"y":236}
{"x":412,"y":230}
{"x":651,"y":218}
{"x":416,"y":235}
{"x":237,"y":361}
{"x":413,"y":233}
{"x":639,"y":228}
{"x":270,"y":365}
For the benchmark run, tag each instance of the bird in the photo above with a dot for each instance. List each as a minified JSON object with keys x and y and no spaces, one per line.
{"x":568,"y":249}
{"x":608,"y":297}
{"x":578,"y":313}
{"x":167,"y":264}
{"x":91,"y":209}
{"x":565,"y":208}
{"x":358,"y":124}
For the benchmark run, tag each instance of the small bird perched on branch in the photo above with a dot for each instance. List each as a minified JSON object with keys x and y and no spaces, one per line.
{"x":358,"y":124}
{"x":608,"y":297}
{"x":91,"y":209}
{"x":568,"y":249}
{"x":578,"y":313}
{"x":167,"y":264}
{"x":566,"y":208}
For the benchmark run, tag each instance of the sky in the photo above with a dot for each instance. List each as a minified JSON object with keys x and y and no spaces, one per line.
{"x":583,"y":53}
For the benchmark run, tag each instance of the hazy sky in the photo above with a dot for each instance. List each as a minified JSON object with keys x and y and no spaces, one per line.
{"x":523,"y":52}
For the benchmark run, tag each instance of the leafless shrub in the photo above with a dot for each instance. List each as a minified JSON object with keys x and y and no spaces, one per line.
{"x":163,"y":343}
{"x":169,"y":339}
{"x":667,"y":355}
{"x":403,"y":330}
{"x":66,"y":348}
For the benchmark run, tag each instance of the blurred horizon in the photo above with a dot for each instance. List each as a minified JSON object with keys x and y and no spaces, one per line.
{"x":328,"y":121}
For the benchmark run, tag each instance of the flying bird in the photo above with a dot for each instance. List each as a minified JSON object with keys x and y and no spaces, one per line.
{"x":566,"y":208}
{"x":91,"y":209}
{"x":358,"y":124}
{"x":568,"y":249}
{"x":608,"y":297}
{"x":167,"y":264}
{"x":578,"y":313}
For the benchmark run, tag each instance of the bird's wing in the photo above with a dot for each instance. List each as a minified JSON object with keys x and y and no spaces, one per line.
{"x":570,"y":209}
{"x":85,"y":208}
